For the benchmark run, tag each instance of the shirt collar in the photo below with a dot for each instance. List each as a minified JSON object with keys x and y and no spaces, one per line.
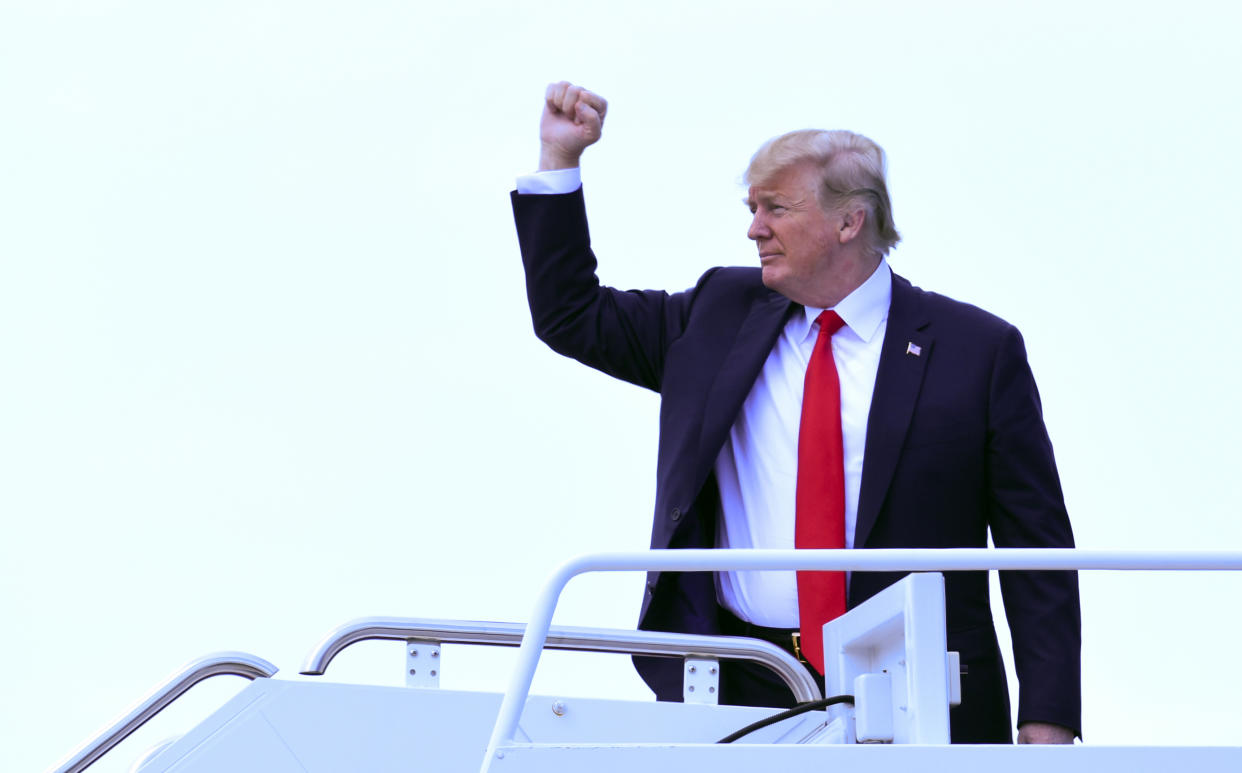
{"x":863,"y":310}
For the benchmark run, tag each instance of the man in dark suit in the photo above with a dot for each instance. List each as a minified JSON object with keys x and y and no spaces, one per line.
{"x":942,"y":436}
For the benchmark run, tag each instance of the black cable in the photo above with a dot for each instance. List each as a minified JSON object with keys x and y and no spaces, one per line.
{"x":801,"y":708}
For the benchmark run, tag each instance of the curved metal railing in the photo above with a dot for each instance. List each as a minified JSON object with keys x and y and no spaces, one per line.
{"x":655,"y":643}
{"x":216,"y":664}
{"x":916,"y":560}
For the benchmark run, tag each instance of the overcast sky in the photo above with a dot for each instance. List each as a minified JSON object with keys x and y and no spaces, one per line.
{"x":266,"y":366}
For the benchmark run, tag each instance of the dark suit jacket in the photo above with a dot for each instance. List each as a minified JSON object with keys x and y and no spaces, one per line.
{"x":956,"y":445}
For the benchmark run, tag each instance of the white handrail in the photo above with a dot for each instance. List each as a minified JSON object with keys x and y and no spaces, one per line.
{"x":654,"y":643}
{"x":221,"y":663}
{"x":918,"y":560}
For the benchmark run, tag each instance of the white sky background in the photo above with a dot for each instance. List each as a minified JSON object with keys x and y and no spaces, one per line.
{"x":266,"y":366}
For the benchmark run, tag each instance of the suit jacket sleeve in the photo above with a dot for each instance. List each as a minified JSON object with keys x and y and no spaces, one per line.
{"x":1027,"y":509}
{"x":624,"y":334}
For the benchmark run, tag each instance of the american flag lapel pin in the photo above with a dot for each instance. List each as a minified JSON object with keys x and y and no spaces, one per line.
{"x":913,"y":348}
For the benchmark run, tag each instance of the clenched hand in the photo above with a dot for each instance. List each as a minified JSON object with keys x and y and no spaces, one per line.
{"x":573,"y":119}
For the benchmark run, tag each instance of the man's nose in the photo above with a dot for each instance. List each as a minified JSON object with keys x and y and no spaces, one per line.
{"x":758,"y":227}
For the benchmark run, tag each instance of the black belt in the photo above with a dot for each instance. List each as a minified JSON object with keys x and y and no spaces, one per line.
{"x":787,"y":639}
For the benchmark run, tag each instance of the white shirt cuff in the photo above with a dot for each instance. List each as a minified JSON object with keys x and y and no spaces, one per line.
{"x":551,"y":181}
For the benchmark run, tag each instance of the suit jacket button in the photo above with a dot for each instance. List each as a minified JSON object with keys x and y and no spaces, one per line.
{"x":676,"y":514}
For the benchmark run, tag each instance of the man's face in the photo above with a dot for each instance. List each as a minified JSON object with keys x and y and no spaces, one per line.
{"x":797,"y":240}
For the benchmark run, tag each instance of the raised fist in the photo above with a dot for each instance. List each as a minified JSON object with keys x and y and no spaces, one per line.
{"x":573,"y":118}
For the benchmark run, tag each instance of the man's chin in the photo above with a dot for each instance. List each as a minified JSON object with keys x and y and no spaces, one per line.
{"x":773,"y":278}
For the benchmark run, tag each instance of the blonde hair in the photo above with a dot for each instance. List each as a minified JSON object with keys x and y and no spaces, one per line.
{"x":851,"y":174}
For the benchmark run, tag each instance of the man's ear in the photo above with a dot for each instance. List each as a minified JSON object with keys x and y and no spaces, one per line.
{"x":852,"y":222}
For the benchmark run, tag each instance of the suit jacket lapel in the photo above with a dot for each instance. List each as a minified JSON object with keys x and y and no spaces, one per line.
{"x":897,"y":384}
{"x":751,"y":347}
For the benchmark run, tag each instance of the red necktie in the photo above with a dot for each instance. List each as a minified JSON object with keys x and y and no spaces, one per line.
{"x":820,"y":521}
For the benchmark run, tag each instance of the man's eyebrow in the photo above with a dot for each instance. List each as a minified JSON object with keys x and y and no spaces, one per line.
{"x":763,"y":198}
{"x":771,"y":199}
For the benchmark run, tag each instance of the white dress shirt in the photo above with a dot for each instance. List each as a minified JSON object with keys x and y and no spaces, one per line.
{"x":551,"y":181}
{"x":757,"y":469}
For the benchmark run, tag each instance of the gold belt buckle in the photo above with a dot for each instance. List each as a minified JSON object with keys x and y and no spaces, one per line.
{"x":797,"y":649}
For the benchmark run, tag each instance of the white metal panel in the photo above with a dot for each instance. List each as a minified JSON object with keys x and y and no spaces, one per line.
{"x":899,"y":631}
{"x":422,"y":663}
{"x":329,"y":727}
{"x":246,"y":745}
{"x":700,"y":681}
{"x":873,"y":708}
{"x":873,"y":759}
